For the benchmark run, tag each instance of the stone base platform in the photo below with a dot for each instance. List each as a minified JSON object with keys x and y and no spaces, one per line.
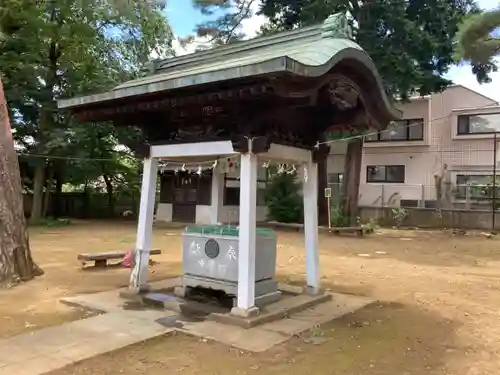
{"x":296,"y":313}
{"x":292,"y":300}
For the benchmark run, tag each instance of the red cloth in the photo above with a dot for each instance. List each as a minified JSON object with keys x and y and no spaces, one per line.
{"x":128,"y":259}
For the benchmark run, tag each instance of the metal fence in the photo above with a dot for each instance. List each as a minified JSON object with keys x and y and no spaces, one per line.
{"x":453,"y":196}
{"x":468,"y":167}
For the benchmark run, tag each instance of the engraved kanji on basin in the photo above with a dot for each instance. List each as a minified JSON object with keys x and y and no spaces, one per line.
{"x":210,"y":260}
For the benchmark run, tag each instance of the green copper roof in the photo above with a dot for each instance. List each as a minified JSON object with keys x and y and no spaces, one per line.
{"x":244,"y":62}
{"x":308,"y":52}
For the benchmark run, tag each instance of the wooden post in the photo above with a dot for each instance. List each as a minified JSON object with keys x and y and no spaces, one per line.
{"x":422,"y":197}
{"x":467,"y":196}
{"x":494,"y":193}
{"x":328,"y":196}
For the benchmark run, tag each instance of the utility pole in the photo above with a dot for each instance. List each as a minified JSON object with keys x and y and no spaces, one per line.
{"x":494,"y":193}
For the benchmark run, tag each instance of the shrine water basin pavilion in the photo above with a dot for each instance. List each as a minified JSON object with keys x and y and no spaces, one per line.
{"x":269,"y":98}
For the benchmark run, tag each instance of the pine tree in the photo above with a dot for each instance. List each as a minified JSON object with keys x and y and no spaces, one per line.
{"x":476,"y":41}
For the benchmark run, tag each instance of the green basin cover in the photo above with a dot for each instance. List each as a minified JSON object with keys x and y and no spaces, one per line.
{"x":225,"y":230}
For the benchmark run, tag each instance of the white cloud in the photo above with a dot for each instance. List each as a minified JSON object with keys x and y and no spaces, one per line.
{"x":461,"y":75}
{"x":189,"y":48}
{"x":489,"y":4}
{"x":250,"y":27}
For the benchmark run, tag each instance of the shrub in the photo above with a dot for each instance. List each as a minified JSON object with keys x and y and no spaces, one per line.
{"x":337,"y":217}
{"x":371,"y":226}
{"x":283,"y":198}
{"x":399,"y":214}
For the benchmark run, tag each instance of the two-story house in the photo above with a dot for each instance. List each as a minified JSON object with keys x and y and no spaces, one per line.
{"x":449,"y":134}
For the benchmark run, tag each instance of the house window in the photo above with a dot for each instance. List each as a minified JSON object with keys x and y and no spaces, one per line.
{"x":478,"y":124}
{"x":402,"y":130}
{"x":385,"y":173}
{"x":232,"y":191}
{"x":480,"y":186}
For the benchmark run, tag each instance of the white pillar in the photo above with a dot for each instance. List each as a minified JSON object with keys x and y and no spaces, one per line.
{"x":311,"y":227}
{"x":138,"y":275}
{"x":214,"y":207}
{"x":247,"y":227}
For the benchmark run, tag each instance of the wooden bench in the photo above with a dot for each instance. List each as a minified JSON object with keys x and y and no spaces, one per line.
{"x":101,"y":259}
{"x":291,"y":226}
{"x":338,"y":230}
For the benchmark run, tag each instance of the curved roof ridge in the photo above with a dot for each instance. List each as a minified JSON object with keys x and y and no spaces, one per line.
{"x":246,"y":46}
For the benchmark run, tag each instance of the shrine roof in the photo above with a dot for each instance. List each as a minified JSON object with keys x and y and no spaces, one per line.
{"x":307,"y":52}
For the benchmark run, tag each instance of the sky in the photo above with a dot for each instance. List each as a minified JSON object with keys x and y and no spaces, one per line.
{"x":183,"y":19}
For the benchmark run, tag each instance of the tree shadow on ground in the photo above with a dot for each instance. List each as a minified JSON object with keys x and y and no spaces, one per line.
{"x":300,"y":281}
{"x":436,"y":250}
{"x":381,"y":339}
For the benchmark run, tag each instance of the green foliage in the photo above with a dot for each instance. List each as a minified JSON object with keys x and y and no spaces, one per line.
{"x":371,"y":226}
{"x":486,"y":189}
{"x":338,"y":219}
{"x":475,"y":41}
{"x":399,"y":215}
{"x":283,"y":199}
{"x":411,"y":42}
{"x":54,"y":49}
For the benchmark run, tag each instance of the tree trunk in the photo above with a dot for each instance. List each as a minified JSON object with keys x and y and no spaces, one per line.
{"x":350,"y":188}
{"x":57,"y":195}
{"x":48,"y":191}
{"x":16,"y":263}
{"x":110,"y":194}
{"x":38,"y":184}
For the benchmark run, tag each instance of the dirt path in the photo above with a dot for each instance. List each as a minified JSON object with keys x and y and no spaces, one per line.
{"x":438,"y":311}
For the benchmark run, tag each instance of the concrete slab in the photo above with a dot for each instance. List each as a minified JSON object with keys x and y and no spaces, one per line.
{"x":340,"y":305}
{"x":288,"y":326}
{"x":278,"y":310}
{"x":302,"y":321}
{"x":111,"y":301}
{"x":253,"y":340}
{"x":291,"y":289}
{"x":34,"y":366}
{"x":265,"y":336}
{"x":11,"y":353}
{"x":54,"y":347}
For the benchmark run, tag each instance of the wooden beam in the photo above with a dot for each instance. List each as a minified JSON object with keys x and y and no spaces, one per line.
{"x":163,"y":103}
{"x":193,"y":149}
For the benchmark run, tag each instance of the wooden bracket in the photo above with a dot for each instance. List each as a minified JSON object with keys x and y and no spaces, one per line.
{"x":260,"y":144}
{"x":240,"y":144}
{"x":320,"y":153}
{"x":143,"y":150}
